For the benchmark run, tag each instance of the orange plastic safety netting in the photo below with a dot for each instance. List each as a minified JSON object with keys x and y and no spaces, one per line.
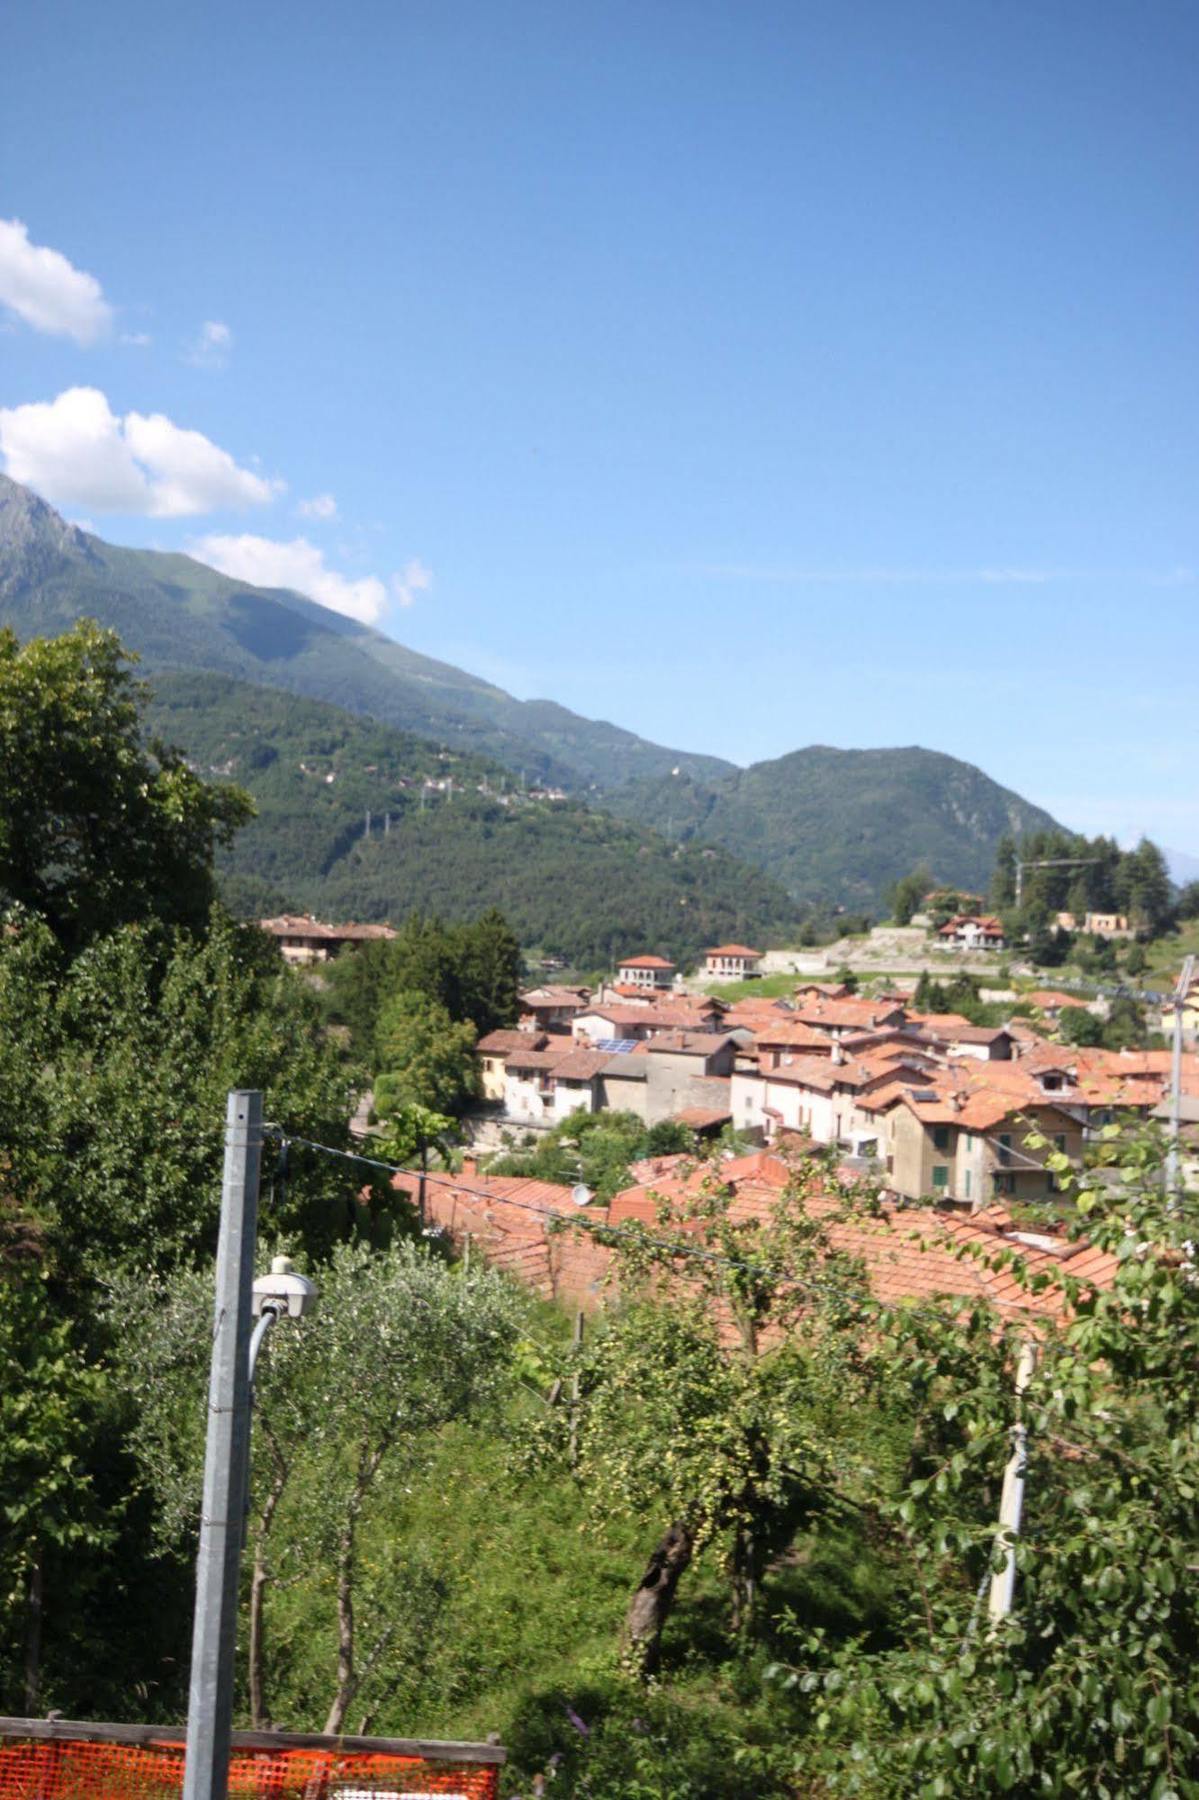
{"x":64,"y":1768}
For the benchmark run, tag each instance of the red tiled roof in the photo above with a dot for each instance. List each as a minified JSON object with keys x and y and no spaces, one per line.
{"x":644,"y":962}
{"x":851,"y":1013}
{"x":732,"y":950}
{"x":687,"y":1043}
{"x":581,"y":1065}
{"x":501,"y":1043}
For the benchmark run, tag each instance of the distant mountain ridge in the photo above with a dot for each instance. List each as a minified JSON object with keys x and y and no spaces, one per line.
{"x":843,"y":824}
{"x":357,"y":819}
{"x":179,"y":614}
{"x":832,"y":826}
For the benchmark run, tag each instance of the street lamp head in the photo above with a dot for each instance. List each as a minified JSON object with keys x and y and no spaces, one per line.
{"x":283,"y":1291}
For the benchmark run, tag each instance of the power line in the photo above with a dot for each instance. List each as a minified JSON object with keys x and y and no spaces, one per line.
{"x":635,"y":1233}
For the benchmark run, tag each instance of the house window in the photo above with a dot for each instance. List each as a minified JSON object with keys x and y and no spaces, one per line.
{"x":969,"y":1140}
{"x":941,"y":1137}
{"x":940,"y":1175}
{"x":1005,"y":1184}
{"x":1005,"y":1150}
{"x":968,"y":1184}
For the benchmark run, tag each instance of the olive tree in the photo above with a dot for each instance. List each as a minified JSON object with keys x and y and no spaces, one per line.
{"x":347,"y":1406}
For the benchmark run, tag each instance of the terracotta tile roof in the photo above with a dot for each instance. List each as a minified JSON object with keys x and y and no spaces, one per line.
{"x":732,"y":950}
{"x":688,"y":1043}
{"x":952,"y":1027}
{"x":848,"y":1014}
{"x":792,"y":1034}
{"x":501,"y":1043}
{"x":644,"y":962}
{"x":526,"y":1061}
{"x":581,"y":1065}
{"x":554,"y":996}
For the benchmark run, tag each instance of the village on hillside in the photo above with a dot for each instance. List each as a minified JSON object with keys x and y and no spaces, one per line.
{"x":957,"y":1129}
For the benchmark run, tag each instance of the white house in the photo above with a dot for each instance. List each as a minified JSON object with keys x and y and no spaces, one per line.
{"x":653,"y":973}
{"x":732,"y":962}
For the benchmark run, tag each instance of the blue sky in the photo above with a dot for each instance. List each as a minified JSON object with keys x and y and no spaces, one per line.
{"x":751,"y":374}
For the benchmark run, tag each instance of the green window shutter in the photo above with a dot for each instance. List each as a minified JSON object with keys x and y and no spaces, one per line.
{"x":940,"y":1175}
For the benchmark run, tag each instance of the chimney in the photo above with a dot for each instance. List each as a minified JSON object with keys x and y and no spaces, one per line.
{"x":470,"y":1167}
{"x":838,"y":1054}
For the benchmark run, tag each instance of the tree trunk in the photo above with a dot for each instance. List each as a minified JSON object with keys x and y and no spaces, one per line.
{"x":33,"y":1634}
{"x":745,"y":1579}
{"x":258,"y":1581}
{"x":346,"y":1684}
{"x":650,"y":1606}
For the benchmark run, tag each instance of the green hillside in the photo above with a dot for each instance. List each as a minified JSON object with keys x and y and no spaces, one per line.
{"x":842,"y":825}
{"x":180,"y":614}
{"x":574,"y":882}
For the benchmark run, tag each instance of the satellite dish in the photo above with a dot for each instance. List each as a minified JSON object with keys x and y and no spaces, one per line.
{"x":581,"y":1195}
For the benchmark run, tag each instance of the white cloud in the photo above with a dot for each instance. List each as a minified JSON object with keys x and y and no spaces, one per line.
{"x":76,"y":451}
{"x":47,"y":291}
{"x":210,"y":348}
{"x":269,"y":562}
{"x":321,"y":506}
{"x":412,"y":580}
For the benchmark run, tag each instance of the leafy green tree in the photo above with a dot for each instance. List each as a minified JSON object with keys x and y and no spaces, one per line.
{"x":348,"y":1406}
{"x":98,"y":825}
{"x":114,"y":1069}
{"x":1143,"y":888}
{"x":727,"y":1435}
{"x":1003,"y":881}
{"x":1188,"y":901}
{"x":1080,"y":1027}
{"x":424,"y":1058}
{"x":49,"y":1395}
{"x":1089,"y":1685}
{"x":905,"y":897}
{"x":489,"y":972}
{"x":1135,"y":960}
{"x":1124,"y":1027}
{"x":847,"y":978}
{"x":595,"y":1149}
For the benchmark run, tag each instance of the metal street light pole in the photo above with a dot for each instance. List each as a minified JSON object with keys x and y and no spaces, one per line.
{"x":226,"y":1460}
{"x":1181,"y":995}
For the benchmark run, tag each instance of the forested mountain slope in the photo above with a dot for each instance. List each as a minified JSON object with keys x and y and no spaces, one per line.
{"x":572,"y":881}
{"x":180,"y":614}
{"x":842,"y":825}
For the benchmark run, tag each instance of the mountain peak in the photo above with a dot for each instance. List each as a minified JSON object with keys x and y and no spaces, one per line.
{"x":31,"y":530}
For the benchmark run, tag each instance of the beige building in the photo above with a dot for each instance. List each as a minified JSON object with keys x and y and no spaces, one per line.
{"x":305,"y":940}
{"x":732,"y":962}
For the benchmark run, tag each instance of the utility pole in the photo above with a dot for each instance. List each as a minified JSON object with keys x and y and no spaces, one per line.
{"x":576,"y":1350}
{"x":1011,"y":1503}
{"x":1181,"y":995}
{"x":226,"y":1460}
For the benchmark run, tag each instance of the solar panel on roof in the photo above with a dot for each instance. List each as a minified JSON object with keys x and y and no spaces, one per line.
{"x":616,"y":1046}
{"x":923,"y":1094}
